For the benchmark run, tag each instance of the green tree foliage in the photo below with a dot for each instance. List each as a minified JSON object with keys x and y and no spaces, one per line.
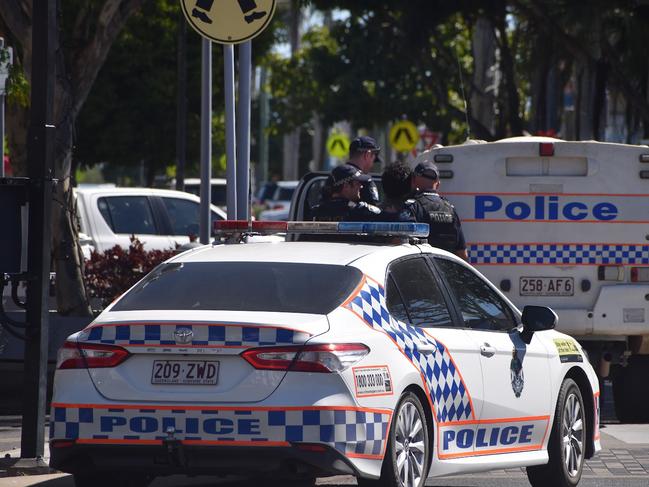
{"x":130,"y":116}
{"x":381,"y":61}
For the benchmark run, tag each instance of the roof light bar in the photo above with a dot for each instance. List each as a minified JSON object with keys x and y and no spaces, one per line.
{"x":396,"y":229}
{"x":223,"y":227}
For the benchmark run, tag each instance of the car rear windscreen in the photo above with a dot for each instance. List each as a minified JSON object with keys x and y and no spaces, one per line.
{"x":243,"y":286}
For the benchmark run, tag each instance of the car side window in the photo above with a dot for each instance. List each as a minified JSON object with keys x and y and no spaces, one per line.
{"x":183,"y":216}
{"x":128,"y":214}
{"x":422,"y":303}
{"x":480,"y":305}
{"x":394,"y":302}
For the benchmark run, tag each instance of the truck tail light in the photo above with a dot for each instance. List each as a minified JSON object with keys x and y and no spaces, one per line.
{"x":546,"y":149}
{"x":89,"y":356}
{"x":639,"y":274}
{"x":331,"y":357}
{"x":610,"y":273}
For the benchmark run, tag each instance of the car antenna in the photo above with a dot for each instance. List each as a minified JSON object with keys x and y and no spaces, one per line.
{"x":466,"y":109}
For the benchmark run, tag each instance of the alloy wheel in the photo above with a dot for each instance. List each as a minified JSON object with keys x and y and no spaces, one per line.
{"x":572,"y":432}
{"x":410,"y":446}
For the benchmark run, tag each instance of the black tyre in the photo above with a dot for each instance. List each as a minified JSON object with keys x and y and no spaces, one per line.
{"x":407,"y":456}
{"x":567,"y":444}
{"x":630,"y":390}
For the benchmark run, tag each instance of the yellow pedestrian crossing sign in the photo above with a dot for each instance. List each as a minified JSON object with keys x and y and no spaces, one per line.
{"x":404,"y":136}
{"x":338,"y":145}
{"x":228,"y":21}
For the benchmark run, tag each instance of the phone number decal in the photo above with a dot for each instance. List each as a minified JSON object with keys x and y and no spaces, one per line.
{"x":373,"y":381}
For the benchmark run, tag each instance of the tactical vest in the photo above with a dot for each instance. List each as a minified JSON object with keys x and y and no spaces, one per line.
{"x":440,"y":215}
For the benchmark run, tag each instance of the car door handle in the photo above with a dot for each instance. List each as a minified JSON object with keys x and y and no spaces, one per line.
{"x":427,"y":348}
{"x":487,"y":350}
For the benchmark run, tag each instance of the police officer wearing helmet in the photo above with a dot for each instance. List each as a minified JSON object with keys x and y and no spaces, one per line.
{"x":344,"y":204}
{"x":429,"y":207}
{"x":363,"y":153}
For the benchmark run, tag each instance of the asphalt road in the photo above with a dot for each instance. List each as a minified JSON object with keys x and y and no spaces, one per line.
{"x":623,"y":462}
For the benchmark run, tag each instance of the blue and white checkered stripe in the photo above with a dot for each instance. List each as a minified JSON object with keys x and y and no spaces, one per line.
{"x":447,"y":390}
{"x":350,"y":431}
{"x":204,"y":335}
{"x":556,"y":253}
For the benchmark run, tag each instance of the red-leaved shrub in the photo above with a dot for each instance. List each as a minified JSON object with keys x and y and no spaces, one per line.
{"x":111,"y":273}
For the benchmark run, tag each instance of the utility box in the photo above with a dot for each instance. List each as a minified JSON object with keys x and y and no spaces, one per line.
{"x":13,"y":225}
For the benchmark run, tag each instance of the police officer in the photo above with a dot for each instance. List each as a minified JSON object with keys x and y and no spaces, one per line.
{"x":429,"y":207}
{"x":363,"y":153}
{"x":344,"y":203}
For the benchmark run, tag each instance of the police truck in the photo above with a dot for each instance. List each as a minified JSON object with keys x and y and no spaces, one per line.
{"x":566,"y":225}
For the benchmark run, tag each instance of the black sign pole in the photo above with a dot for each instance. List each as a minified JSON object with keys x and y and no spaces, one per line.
{"x":39,"y":167}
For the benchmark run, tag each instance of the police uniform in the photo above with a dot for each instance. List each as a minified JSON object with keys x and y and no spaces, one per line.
{"x":341,"y":209}
{"x":445,"y":226}
{"x":397,"y":210}
{"x":369,"y":191}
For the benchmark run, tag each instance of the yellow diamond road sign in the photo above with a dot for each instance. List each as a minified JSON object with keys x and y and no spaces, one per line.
{"x":404,"y":136}
{"x":338,"y":145}
{"x":228,"y":21}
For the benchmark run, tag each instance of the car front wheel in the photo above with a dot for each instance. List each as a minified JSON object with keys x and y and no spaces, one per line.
{"x":407,"y":454}
{"x":566,"y":447}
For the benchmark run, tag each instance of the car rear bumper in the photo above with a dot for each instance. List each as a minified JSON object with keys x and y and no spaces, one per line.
{"x":174,"y":457}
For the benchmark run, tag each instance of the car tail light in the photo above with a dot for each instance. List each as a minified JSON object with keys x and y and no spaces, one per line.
{"x":610,"y":273}
{"x":89,"y":356}
{"x":332,"y":357}
{"x":639,"y":274}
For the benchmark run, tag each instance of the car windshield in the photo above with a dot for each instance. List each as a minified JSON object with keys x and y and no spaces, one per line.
{"x":243,"y":286}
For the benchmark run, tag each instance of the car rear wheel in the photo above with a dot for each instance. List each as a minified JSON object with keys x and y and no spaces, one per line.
{"x":567,"y":444}
{"x":407,"y":455}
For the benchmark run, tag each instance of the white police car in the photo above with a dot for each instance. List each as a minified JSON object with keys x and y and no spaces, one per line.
{"x":295,"y":360}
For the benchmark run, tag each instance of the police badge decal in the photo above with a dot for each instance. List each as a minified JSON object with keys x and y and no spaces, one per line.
{"x":516,"y":374}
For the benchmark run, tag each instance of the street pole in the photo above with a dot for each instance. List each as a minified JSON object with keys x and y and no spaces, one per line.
{"x":206,"y":141}
{"x":181,"y":105}
{"x":40,"y":170}
{"x":230,"y":136}
{"x":262,"y":173}
{"x":243,"y":131}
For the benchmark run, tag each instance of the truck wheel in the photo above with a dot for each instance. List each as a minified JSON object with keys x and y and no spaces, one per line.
{"x":566,"y":446}
{"x":408,"y":451}
{"x":631,"y":391}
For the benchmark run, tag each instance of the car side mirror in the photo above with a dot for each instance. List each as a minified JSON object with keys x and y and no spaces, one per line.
{"x":537,"y":318}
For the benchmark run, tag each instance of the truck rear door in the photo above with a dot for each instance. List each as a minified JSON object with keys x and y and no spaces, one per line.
{"x":560,"y":224}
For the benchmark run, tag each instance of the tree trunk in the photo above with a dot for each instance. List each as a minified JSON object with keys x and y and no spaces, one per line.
{"x":483,"y":89}
{"x":96,"y":27}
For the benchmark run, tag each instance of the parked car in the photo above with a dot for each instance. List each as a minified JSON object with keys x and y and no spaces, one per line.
{"x":159,"y":218}
{"x":279,"y":203}
{"x":265,"y":192}
{"x":394,"y":362}
{"x":218,"y":185}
